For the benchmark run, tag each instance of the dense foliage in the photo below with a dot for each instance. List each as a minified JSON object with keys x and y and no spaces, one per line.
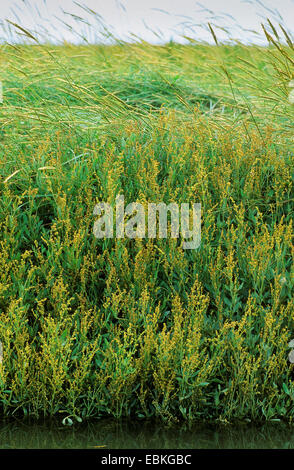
{"x":144,"y":328}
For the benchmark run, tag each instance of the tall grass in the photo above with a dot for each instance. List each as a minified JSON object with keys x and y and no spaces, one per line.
{"x":141,"y":328}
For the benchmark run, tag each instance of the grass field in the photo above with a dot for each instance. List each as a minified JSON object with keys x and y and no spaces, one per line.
{"x":143,"y":328}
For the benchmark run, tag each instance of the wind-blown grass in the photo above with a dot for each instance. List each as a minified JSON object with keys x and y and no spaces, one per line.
{"x":143,"y":328}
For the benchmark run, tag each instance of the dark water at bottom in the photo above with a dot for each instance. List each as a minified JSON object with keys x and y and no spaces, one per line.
{"x":143,"y":435}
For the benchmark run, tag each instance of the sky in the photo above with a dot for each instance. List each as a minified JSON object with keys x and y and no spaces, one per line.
{"x":150,"y":20}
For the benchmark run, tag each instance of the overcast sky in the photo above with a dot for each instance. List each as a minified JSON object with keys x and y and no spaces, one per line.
{"x":151,"y":20}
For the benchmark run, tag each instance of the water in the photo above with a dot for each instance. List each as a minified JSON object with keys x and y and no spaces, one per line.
{"x":143,"y":435}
